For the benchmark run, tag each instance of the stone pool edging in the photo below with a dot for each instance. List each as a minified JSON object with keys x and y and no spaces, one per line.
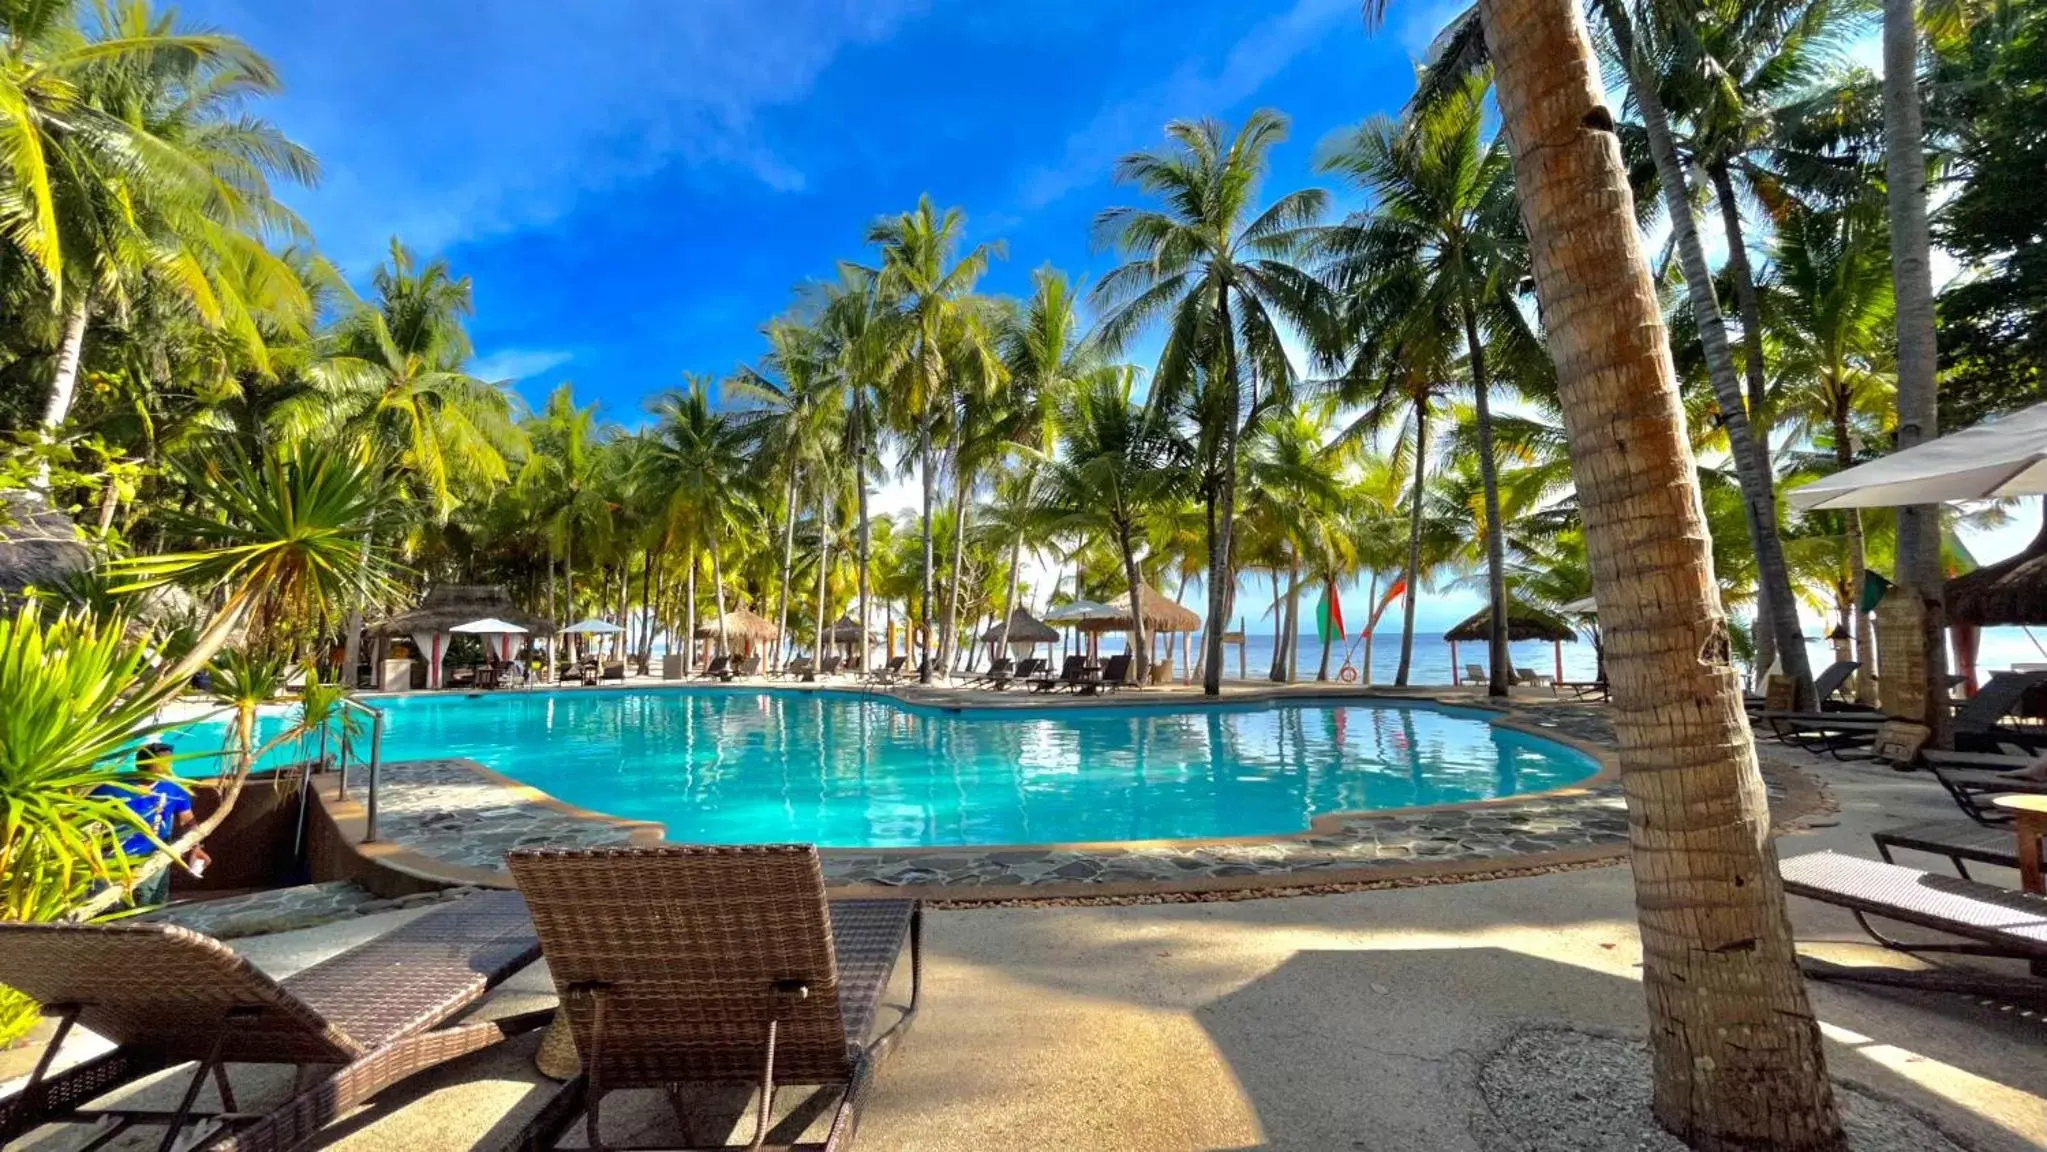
{"x":428,"y":842}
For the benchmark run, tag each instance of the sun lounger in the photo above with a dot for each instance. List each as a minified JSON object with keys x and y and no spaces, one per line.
{"x":1977,"y":725}
{"x":715,"y":965}
{"x":1071,"y":673}
{"x":371,"y":1016}
{"x":1825,"y":686}
{"x":1477,"y":674}
{"x":1024,"y":672}
{"x":1583,"y":689}
{"x":1115,"y":676}
{"x":798,"y":667}
{"x":751,"y":666}
{"x":998,"y":673}
{"x":1529,"y":678}
{"x":890,"y":672}
{"x":718,"y":669}
{"x":1958,"y":840}
{"x":1992,"y":921}
{"x":830,"y":667}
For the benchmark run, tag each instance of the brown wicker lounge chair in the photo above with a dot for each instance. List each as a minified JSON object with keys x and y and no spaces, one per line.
{"x":890,"y":672}
{"x":372,"y":1016}
{"x":714,"y":965}
{"x":1992,"y":921}
{"x":718,"y":669}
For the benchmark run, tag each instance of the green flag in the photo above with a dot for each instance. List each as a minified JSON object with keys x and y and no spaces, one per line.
{"x":1873,"y":589}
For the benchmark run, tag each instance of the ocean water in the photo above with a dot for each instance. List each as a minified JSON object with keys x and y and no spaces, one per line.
{"x":856,"y":770}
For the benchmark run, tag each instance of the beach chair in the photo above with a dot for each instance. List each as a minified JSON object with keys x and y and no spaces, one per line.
{"x":683,"y":965}
{"x":1115,"y":676}
{"x":997,"y":673}
{"x":368,"y":1018}
{"x":1069,"y":675}
{"x":1477,"y":674}
{"x":1825,"y":688}
{"x":1976,"y":722}
{"x":1529,"y":678}
{"x":749,"y":667}
{"x":718,"y":669}
{"x":830,"y":667}
{"x":1991,"y":921}
{"x":797,"y":666}
{"x":1024,"y":672}
{"x":1583,"y":689}
{"x":890,"y":672}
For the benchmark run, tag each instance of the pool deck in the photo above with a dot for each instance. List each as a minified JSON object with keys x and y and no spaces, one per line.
{"x":450,"y":822}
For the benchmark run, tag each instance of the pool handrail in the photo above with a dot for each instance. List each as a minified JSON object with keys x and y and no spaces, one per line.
{"x":376,"y":762}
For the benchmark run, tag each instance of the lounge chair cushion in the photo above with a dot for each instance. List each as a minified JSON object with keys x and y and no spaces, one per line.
{"x":1984,"y":912}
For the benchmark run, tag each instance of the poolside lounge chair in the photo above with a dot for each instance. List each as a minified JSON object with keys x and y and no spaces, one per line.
{"x":1825,"y":686}
{"x":715,"y":965}
{"x":371,"y":1016}
{"x":1993,"y":921}
{"x":830,"y":667}
{"x":751,"y":666}
{"x":1976,"y":721}
{"x":1477,"y":674}
{"x":614,"y":671}
{"x":1583,"y":689}
{"x":998,"y":672}
{"x":890,"y":672}
{"x":797,"y":666}
{"x":1024,"y":671}
{"x":1529,"y":678}
{"x":1115,"y":676}
{"x":718,"y":669}
{"x":1070,"y":675}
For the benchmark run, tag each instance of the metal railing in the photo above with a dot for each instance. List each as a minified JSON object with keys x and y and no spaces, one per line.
{"x":376,"y":716}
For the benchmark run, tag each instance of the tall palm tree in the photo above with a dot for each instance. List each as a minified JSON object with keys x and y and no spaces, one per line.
{"x":859,"y":331}
{"x":708,"y":450}
{"x":1737,"y":1053}
{"x":562,"y":481}
{"x":1118,"y":458}
{"x":1227,"y":281}
{"x":131,"y":158}
{"x":793,"y":422}
{"x":1833,"y":291}
{"x":1443,"y":240}
{"x":929,"y":283}
{"x":1292,"y":481}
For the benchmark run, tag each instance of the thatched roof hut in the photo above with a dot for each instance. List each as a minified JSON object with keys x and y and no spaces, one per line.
{"x":1160,"y":614}
{"x":741,"y":624}
{"x":39,"y":546}
{"x":447,"y":605}
{"x":1523,"y":623}
{"x":846,"y":631}
{"x":1024,"y":628}
{"x":2010,"y":591}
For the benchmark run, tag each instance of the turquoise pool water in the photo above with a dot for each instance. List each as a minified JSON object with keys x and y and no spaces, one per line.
{"x":852,"y":771}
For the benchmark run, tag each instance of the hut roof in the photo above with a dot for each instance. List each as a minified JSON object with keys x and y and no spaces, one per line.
{"x":1160,"y":614}
{"x":39,"y":546}
{"x":447,"y":605}
{"x":846,"y":631}
{"x":1024,"y":628}
{"x":2010,"y":591}
{"x":740,"y":624}
{"x":1523,"y":623}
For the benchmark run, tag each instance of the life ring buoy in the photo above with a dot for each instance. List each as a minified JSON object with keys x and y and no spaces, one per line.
{"x":1349,"y":675}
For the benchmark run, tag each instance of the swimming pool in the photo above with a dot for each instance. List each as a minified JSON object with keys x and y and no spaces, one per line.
{"x":850,"y":770}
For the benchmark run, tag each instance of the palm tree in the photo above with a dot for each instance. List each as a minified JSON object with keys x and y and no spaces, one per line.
{"x":1226,"y":283}
{"x":707,"y":450}
{"x":859,"y":331}
{"x":1737,"y":1052}
{"x":1118,"y":458}
{"x":793,"y":426}
{"x":1292,"y":481}
{"x":1443,"y":240}
{"x":929,"y":285}
{"x":131,"y":159}
{"x":561,"y":481}
{"x":1834,"y":299}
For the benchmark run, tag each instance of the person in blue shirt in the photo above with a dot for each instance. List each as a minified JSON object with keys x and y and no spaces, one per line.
{"x":166,"y":807}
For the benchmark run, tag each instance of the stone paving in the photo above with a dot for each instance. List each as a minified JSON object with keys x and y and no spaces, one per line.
{"x":449,"y":811}
{"x":284,"y":909}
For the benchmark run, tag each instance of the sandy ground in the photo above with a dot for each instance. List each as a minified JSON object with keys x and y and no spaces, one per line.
{"x":1314,"y":1023}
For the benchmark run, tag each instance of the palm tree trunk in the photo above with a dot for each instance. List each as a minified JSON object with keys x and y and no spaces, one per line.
{"x":689,"y":627}
{"x":1746,"y":301}
{"x":718,"y":597}
{"x":1140,"y":648}
{"x":1918,"y":547}
{"x":1858,"y":561}
{"x":1322,"y":673}
{"x":781,"y":645}
{"x":1414,"y":544}
{"x":962,"y":513}
{"x":1009,"y":601}
{"x":1222,"y":514}
{"x":824,"y":559}
{"x":924,"y":667}
{"x":1500,"y":669}
{"x":1274,"y":670}
{"x":64,"y":384}
{"x":860,"y":499}
{"x":1736,"y":1051}
{"x":1751,"y":465}
{"x":1293,"y":621}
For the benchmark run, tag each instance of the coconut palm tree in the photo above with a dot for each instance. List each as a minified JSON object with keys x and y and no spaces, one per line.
{"x":562,"y":483}
{"x":707,"y":450}
{"x":1443,"y":238}
{"x":1226,"y":280}
{"x":1737,"y":1052}
{"x":859,"y":331}
{"x":1117,"y":459}
{"x":925,"y":279}
{"x":1833,"y":297}
{"x":793,"y":422}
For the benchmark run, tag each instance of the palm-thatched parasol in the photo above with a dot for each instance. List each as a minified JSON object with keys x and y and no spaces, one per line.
{"x":1160,"y":614}
{"x":2012,"y":591}
{"x":742,"y":626}
{"x":1524,"y":622}
{"x":1024,"y":628}
{"x":39,"y":546}
{"x":432,"y":625}
{"x":846,"y":631}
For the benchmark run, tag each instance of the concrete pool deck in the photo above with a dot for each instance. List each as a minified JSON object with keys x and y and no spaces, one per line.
{"x":1308,"y":1024}
{"x":452,"y":821}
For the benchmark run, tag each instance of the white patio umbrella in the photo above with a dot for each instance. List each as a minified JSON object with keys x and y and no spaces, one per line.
{"x":1082,"y":610}
{"x":492,"y":626}
{"x":1581,"y":607}
{"x":594,"y":627}
{"x":2002,"y":457}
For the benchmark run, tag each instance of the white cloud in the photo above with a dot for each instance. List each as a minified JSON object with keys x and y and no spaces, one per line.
{"x":518,"y":363}
{"x":1193,"y":90}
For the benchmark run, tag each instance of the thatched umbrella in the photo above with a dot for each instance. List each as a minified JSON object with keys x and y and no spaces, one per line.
{"x":742,"y":625}
{"x":845,"y":635}
{"x":431,"y":625}
{"x":1160,"y":614}
{"x":1524,"y":622}
{"x":39,"y":546}
{"x":2009,"y":592}
{"x":1025,"y":633}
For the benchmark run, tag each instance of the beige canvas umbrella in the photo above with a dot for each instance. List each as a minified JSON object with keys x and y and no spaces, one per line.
{"x":2002,"y":457}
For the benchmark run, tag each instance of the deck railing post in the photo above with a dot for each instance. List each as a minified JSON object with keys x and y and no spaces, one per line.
{"x":376,"y":760}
